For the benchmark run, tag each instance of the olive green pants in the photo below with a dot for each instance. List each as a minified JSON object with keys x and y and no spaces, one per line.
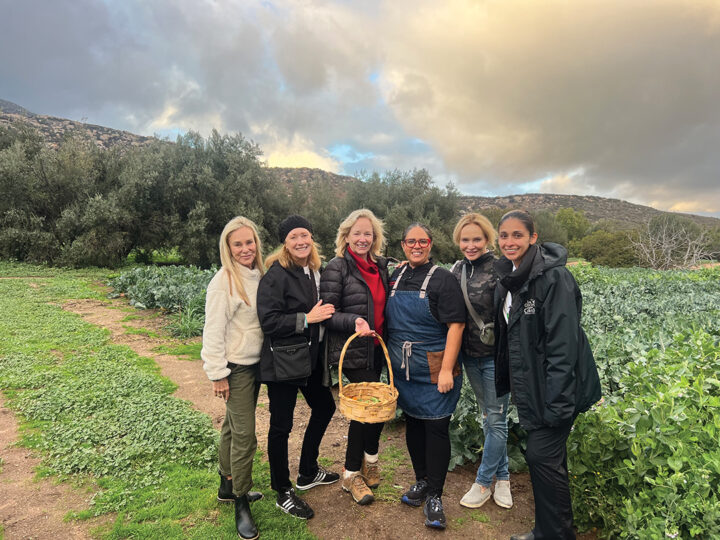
{"x":237,"y":437}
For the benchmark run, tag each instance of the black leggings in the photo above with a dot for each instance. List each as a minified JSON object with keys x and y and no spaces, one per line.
{"x":428,"y":442}
{"x":283,"y":397}
{"x":363,"y":438}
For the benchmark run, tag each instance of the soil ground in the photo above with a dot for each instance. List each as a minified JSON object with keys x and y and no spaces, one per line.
{"x":32,"y":507}
{"x":35,"y":509}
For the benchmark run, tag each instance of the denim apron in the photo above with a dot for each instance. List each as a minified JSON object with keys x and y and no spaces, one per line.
{"x":412,"y":333}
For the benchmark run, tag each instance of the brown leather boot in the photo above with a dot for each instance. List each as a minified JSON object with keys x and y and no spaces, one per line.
{"x":357,"y":487}
{"x":371,"y":473}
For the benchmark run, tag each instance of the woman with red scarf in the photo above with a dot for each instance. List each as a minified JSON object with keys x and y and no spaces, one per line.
{"x":355,"y":282}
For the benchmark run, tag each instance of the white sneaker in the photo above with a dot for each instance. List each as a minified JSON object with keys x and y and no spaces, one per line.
{"x":476,"y":497}
{"x":502,"y":494}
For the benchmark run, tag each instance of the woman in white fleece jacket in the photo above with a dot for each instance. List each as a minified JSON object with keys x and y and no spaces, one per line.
{"x":232,"y":341}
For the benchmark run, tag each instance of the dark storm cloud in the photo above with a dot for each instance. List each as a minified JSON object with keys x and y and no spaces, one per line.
{"x":600,"y":96}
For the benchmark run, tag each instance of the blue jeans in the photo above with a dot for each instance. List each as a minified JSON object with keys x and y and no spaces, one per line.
{"x":481,"y":374}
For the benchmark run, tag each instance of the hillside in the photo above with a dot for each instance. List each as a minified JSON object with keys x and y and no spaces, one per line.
{"x":53,"y":129}
{"x":625,"y":214}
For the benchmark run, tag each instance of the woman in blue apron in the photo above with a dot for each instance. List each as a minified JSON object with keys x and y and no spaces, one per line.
{"x":425,"y":317}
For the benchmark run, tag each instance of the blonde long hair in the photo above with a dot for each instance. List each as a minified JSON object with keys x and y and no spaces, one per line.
{"x":344,"y":230}
{"x":229,"y":264}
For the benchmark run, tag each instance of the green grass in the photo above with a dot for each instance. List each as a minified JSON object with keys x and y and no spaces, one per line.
{"x":480,"y":517}
{"x":133,"y":331}
{"x":190,"y":350}
{"x":390,"y":459}
{"x":104,"y":418}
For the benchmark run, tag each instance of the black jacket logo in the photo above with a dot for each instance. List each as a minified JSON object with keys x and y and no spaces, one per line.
{"x":529,"y":307}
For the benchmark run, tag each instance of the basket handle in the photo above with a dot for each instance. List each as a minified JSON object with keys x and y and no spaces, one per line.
{"x":342,"y":356}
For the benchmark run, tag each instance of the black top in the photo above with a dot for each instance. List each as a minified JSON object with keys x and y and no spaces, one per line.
{"x":481,"y":278}
{"x":343,"y":285}
{"x":284,"y":296}
{"x":542,"y":353}
{"x":443,"y":285}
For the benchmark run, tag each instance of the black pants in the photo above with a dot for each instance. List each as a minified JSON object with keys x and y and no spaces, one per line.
{"x":428,"y":442}
{"x":546,"y":457}
{"x":282,"y":398}
{"x":363,"y":437}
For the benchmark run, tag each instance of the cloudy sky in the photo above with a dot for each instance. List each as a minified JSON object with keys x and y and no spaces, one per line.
{"x":604,"y":97}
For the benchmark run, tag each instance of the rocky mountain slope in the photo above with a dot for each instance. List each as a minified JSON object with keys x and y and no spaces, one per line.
{"x":54,"y":129}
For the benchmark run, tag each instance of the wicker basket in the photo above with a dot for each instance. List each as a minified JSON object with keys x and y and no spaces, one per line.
{"x":368,"y":402}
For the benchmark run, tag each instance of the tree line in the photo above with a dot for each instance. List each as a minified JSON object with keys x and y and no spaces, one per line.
{"x":80,"y":205}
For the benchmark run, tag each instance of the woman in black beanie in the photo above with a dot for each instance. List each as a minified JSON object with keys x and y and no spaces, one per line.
{"x":290,"y":314}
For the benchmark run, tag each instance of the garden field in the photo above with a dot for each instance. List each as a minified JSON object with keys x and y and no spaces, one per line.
{"x":109,"y":396}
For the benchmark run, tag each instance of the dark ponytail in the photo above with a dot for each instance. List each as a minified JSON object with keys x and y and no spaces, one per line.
{"x":521,"y":215}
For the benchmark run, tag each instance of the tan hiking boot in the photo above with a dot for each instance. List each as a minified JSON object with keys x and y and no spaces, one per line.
{"x":356,"y":486}
{"x":371,"y":473}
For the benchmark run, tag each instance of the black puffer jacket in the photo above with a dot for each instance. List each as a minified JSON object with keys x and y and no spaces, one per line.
{"x":542,"y":351}
{"x":343,"y":286}
{"x":481,"y":279}
{"x":283,"y":298}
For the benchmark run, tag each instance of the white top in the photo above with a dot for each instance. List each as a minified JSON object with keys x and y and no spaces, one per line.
{"x":508,"y":302}
{"x":232,"y":333}
{"x":316,"y":276}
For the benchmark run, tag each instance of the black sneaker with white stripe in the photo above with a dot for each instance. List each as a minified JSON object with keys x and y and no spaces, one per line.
{"x":291,"y":504}
{"x":321,"y":477}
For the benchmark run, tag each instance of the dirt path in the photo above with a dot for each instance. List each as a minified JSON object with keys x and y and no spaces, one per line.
{"x":336,"y":515}
{"x":30,"y":507}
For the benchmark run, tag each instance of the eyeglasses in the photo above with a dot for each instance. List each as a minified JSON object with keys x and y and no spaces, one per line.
{"x":410,"y":242}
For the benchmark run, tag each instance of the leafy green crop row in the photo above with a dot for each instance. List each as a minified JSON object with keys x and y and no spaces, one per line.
{"x":167,"y":287}
{"x":646,"y":464}
{"x":180,"y":290}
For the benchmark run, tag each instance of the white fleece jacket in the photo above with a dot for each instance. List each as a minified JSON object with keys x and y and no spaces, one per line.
{"x":232,"y":333}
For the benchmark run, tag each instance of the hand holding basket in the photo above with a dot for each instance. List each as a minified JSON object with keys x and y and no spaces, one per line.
{"x":368,"y":402}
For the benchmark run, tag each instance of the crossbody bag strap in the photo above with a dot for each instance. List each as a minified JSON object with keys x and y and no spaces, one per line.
{"x":468,"y":305}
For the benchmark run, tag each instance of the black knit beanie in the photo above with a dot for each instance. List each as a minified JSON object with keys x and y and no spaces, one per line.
{"x":290,"y":223}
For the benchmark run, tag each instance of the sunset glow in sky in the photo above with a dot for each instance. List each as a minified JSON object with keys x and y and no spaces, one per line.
{"x":602,"y":97}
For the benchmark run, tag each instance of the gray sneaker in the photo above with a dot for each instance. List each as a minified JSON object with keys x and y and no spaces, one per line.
{"x":476,"y":497}
{"x":502,"y":495}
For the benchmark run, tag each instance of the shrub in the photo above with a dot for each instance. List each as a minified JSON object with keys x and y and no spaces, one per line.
{"x":22,"y":238}
{"x":605,"y":248}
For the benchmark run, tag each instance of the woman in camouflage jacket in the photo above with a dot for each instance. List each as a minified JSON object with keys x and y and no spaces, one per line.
{"x":474,"y":235}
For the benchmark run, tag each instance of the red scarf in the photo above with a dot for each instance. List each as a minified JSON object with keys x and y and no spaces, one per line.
{"x":371,"y":275}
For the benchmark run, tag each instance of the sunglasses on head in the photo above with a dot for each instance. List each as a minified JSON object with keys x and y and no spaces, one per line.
{"x":410,"y":242}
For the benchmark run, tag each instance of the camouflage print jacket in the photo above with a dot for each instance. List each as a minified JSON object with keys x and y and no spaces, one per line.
{"x":481,"y":279}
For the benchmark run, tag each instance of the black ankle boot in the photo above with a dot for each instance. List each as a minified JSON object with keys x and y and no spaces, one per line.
{"x":225,"y":491}
{"x":244,"y":523}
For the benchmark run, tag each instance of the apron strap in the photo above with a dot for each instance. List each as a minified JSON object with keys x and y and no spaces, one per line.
{"x":423,"y":289}
{"x":392,"y":293}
